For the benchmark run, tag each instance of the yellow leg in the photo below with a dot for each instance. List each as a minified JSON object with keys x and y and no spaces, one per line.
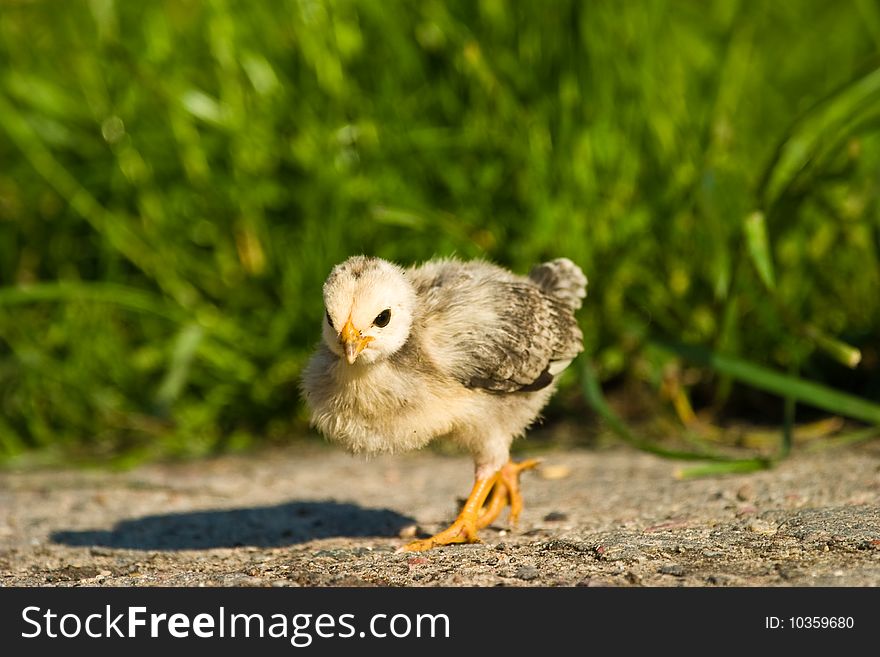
{"x":509,"y":477}
{"x":464,"y":529}
{"x":495,"y":505}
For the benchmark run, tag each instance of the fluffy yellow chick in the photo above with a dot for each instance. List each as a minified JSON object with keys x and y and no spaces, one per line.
{"x":461,"y":350}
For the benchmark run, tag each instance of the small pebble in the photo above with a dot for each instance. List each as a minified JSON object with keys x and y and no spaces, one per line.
{"x":745,"y":493}
{"x":409,"y":531}
{"x":555,"y":516}
{"x":633,"y":577}
{"x":746,"y":510}
{"x":673,"y":569}
{"x":762,"y":527}
{"x":527,"y":573}
{"x":100,"y":552}
{"x":595,"y":582}
{"x":555,"y":471}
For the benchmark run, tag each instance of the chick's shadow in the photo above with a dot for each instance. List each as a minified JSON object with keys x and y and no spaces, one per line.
{"x":269,"y":526}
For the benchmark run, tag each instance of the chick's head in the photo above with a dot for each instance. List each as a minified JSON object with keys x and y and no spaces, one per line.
{"x":369,"y":309}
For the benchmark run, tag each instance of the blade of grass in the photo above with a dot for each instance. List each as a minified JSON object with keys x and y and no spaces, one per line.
{"x":729,"y":467}
{"x":127,"y":297}
{"x":840,"y":351}
{"x":593,"y":394}
{"x":755,"y":228}
{"x":10,"y":442}
{"x":807,"y":392}
{"x":185,"y":347}
{"x":851,"y":438}
{"x":115,"y":228}
{"x":217,"y":324}
{"x":816,"y":125}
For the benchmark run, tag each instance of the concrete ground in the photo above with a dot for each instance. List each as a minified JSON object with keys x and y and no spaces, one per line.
{"x":315,"y":516}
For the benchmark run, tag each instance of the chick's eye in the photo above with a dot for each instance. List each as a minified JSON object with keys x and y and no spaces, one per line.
{"x":382,"y":318}
{"x":329,"y":321}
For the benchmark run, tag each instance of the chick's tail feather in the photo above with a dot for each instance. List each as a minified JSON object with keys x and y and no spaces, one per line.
{"x":562,"y":279}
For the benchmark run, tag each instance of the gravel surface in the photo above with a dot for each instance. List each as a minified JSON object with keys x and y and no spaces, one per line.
{"x":314,"y":516}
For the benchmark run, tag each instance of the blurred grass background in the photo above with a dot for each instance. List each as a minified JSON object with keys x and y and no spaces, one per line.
{"x":177,"y":178}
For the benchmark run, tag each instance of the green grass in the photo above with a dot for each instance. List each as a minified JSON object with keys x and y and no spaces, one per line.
{"x":177,"y":178}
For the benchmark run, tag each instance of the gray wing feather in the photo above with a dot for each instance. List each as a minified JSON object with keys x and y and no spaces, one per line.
{"x":534,"y":331}
{"x":562,"y":279}
{"x":519,"y":331}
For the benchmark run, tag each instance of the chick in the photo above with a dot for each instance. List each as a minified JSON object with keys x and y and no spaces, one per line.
{"x":461,"y":350}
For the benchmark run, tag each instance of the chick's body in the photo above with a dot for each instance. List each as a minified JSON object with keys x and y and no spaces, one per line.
{"x":468,"y":351}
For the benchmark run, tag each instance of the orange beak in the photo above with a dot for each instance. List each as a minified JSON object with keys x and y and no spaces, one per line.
{"x":352,"y":341}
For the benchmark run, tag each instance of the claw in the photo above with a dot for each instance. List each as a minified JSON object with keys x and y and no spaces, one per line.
{"x":504,"y":489}
{"x":509,"y":474}
{"x":464,"y":529}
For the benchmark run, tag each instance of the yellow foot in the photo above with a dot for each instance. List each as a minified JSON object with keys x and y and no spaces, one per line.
{"x":504,"y":488}
{"x":458,"y":532}
{"x":464,"y":529}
